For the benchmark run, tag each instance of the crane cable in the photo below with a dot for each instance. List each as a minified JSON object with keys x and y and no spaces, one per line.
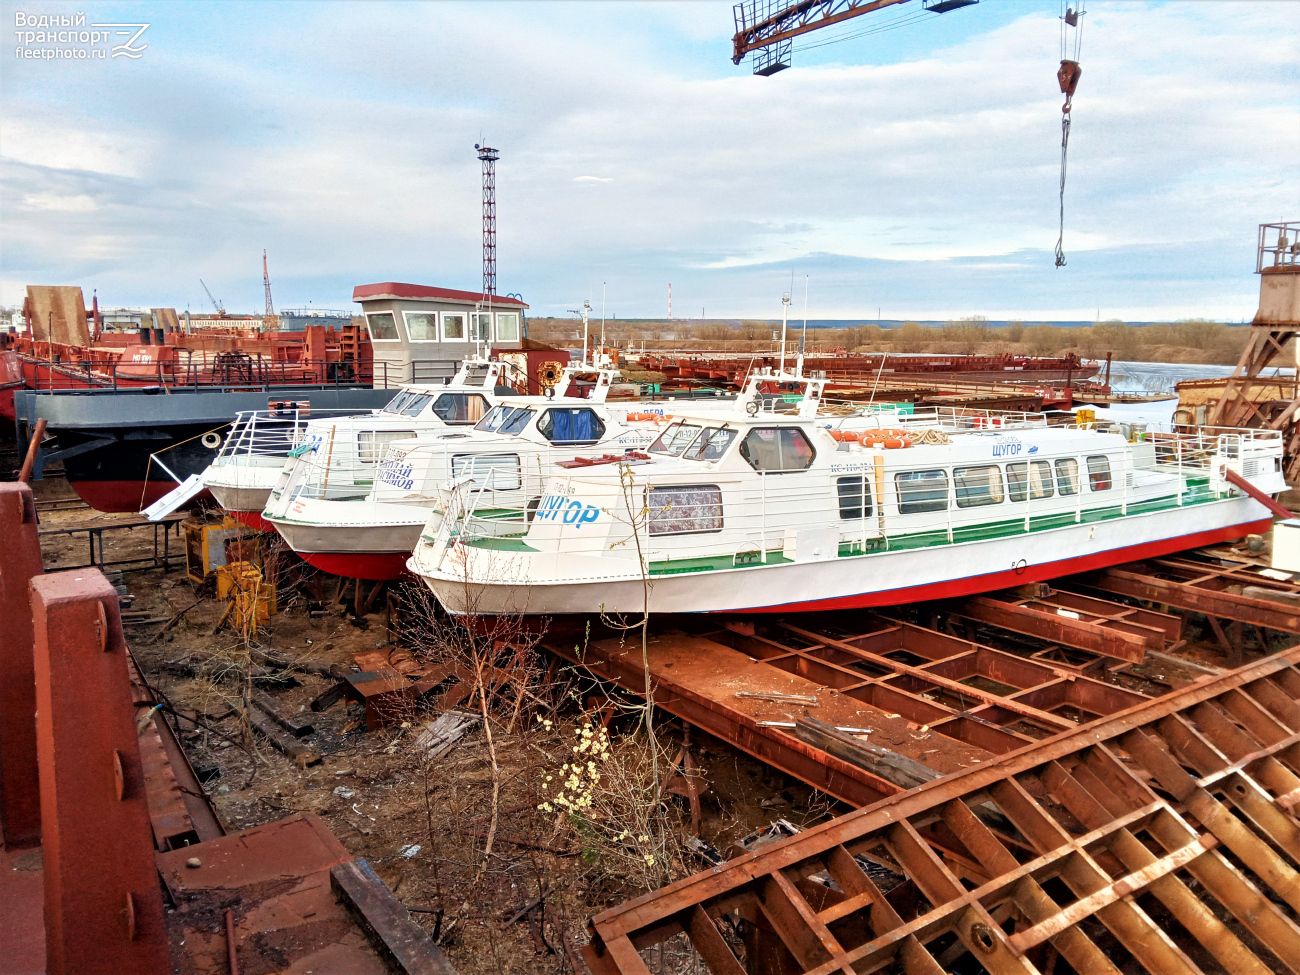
{"x":1068,"y":77}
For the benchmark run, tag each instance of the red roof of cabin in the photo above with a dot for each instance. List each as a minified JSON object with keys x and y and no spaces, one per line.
{"x":395,"y":289}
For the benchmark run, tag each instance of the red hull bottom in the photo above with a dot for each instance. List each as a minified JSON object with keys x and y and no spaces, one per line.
{"x":131,"y":496}
{"x":371,"y":566}
{"x":992,"y":581}
{"x":253,"y":519}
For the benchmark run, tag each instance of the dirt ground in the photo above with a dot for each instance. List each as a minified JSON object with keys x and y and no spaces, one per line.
{"x":423,"y":823}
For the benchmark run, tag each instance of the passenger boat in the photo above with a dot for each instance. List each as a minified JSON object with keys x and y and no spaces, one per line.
{"x":342,"y":519}
{"x":259,"y":443}
{"x":764,"y":511}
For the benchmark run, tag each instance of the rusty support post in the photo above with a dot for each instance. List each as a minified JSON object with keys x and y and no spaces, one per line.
{"x":103,"y":905}
{"x":20,"y":809}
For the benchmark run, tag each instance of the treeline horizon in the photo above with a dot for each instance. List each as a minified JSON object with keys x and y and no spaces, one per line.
{"x":1190,"y":341}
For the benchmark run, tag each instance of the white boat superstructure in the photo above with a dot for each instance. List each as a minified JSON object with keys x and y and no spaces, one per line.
{"x":256,"y":449}
{"x":771,"y":512}
{"x":369,"y":533}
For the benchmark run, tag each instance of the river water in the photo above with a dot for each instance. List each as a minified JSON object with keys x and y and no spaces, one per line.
{"x":1159,"y":377}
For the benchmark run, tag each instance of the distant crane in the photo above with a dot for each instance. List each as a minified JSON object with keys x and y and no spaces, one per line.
{"x":221,"y":310}
{"x":266,"y":282}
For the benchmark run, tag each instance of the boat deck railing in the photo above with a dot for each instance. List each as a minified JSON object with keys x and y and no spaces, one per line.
{"x":199,"y":369}
{"x":271,"y":433}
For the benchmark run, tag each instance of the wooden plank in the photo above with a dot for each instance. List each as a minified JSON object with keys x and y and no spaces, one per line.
{"x":899,"y":769}
{"x":388,"y":921}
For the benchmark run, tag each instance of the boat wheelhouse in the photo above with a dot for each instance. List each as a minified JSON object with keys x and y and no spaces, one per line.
{"x":365,"y":526}
{"x":766,"y":511}
{"x":260,"y":443}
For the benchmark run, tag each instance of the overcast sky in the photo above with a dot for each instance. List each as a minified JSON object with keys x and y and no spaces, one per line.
{"x":913,"y":169}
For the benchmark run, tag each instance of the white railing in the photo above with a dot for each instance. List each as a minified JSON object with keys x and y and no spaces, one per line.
{"x":269,"y":433}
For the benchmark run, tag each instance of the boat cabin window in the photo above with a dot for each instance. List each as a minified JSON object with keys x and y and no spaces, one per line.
{"x":855,"y":497}
{"x":710,"y":444}
{"x":507,"y":327}
{"x":575,"y":425}
{"x":777,"y":449}
{"x":684,"y":510}
{"x":453,"y":408}
{"x":422,"y":326}
{"x":920,"y":491}
{"x":453,"y":327}
{"x":371,"y":443}
{"x":492,"y":472}
{"x":976,"y":486}
{"x":505,"y":419}
{"x":480,"y":324}
{"x":1099,"y":473}
{"x":676,"y":438}
{"x":1067,"y":476}
{"x":408,"y":404}
{"x":1039,"y":474}
{"x":382,"y":327}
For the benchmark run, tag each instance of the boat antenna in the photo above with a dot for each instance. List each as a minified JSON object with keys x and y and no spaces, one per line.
{"x":803,"y":339}
{"x":602,"y":316}
{"x":785,"y":309}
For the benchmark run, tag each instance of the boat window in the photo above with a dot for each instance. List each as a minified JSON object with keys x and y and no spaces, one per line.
{"x":777,"y":449}
{"x":414,"y":405}
{"x":453,"y":327}
{"x":371,"y":443}
{"x":455,"y":408}
{"x":382,"y":327}
{"x":505,"y":419}
{"x":711,"y":444}
{"x":855,"y":497}
{"x":674,"y":439}
{"x":1067,"y":476}
{"x":1099,"y":473}
{"x":507,"y":327}
{"x":575,"y":425}
{"x":493,"y":472}
{"x":422,"y":326}
{"x":920,"y":491}
{"x":684,"y":510}
{"x":977,"y":486}
{"x":398,"y":402}
{"x":1040,"y":480}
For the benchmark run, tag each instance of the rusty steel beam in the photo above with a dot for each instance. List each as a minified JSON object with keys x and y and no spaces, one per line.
{"x":1162,"y":803}
{"x":103,"y":905}
{"x":1202,"y":589}
{"x":1110,"y":637}
{"x":20,"y":808}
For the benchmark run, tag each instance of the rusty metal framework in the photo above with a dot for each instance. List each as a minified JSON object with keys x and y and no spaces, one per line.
{"x":1276,"y":323}
{"x":1159,"y":839}
{"x":941,"y":699}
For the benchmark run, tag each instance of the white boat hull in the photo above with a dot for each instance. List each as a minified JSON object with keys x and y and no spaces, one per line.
{"x":529,"y":582}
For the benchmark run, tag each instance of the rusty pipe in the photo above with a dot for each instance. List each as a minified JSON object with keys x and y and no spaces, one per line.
{"x":1236,"y":480}
{"x":29,"y":462}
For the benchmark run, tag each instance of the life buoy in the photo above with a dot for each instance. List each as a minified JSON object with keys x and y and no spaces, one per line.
{"x":211,"y":440}
{"x":656,"y":417}
{"x":889,"y":439}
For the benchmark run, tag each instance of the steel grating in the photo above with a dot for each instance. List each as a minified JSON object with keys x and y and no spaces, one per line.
{"x":1157,"y":839}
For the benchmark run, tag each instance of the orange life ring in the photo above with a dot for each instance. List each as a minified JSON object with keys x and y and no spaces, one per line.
{"x":657,"y":417}
{"x":889,"y":439}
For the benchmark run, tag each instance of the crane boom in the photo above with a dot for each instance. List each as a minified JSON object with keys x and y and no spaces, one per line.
{"x":221,"y":311}
{"x":791,"y":19}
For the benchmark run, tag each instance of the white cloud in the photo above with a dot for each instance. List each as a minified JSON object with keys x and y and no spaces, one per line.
{"x":593,"y":179}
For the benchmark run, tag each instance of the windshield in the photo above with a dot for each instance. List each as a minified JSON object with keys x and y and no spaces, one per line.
{"x":408,"y":404}
{"x":710,"y":445}
{"x":505,"y":419}
{"x":674,"y":439}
